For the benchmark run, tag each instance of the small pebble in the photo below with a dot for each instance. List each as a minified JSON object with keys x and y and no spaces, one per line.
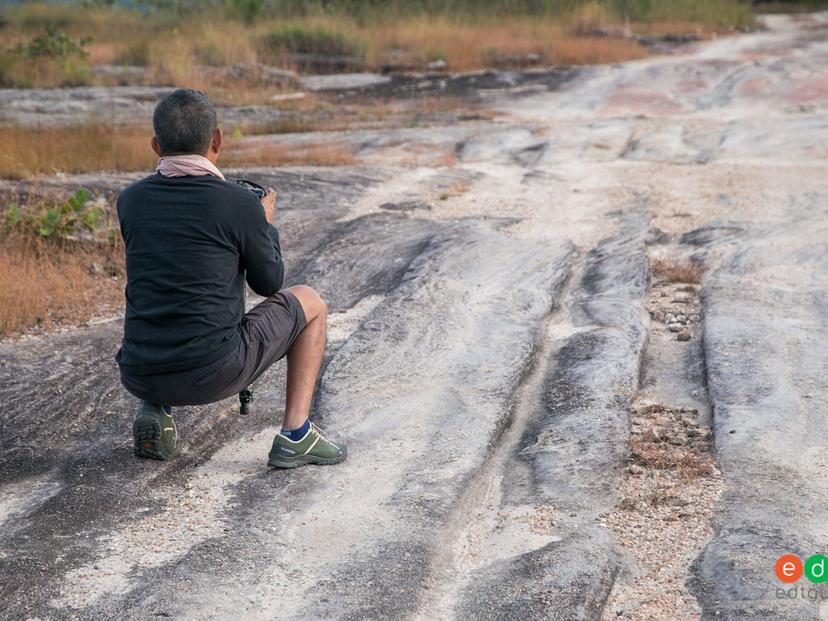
{"x":675,"y":327}
{"x":684,"y":335}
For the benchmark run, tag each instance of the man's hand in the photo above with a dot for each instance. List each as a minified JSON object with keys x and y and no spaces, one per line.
{"x":269,"y":205}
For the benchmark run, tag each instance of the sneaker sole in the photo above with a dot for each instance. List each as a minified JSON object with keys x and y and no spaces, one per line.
{"x":306,"y":460}
{"x":146,"y":432}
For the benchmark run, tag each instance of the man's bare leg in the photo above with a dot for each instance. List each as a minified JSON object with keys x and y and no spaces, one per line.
{"x":305,"y":358}
{"x":300,"y":443}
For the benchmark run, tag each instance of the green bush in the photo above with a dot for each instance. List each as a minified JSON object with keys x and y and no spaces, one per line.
{"x":50,"y":58}
{"x":246,"y":10}
{"x":54,"y":44}
{"x":59,"y":221}
{"x":300,"y":40}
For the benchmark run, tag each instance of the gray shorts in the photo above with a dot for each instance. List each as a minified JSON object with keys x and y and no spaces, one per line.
{"x":268,"y":332}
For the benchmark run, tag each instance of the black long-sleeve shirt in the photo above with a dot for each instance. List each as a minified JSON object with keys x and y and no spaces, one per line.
{"x":189,"y":243}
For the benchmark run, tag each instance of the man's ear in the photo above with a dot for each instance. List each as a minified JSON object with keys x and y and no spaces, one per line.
{"x":155,"y":146}
{"x":218,"y":138}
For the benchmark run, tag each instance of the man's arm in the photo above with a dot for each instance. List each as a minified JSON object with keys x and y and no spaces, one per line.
{"x":261,"y":254}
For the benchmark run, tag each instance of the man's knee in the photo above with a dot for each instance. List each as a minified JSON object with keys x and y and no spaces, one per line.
{"x":312,"y":303}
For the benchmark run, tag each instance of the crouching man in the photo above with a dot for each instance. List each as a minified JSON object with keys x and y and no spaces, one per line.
{"x":191,"y":240}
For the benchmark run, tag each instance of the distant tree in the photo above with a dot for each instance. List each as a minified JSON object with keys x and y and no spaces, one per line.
{"x":246,"y":10}
{"x":97,"y":4}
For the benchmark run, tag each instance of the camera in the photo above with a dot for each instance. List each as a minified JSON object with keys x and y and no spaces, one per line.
{"x":258,"y":190}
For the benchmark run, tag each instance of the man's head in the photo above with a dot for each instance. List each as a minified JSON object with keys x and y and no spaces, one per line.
{"x":185,"y":122}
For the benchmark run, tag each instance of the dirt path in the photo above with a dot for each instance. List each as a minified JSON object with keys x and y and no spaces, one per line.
{"x":502,"y":367}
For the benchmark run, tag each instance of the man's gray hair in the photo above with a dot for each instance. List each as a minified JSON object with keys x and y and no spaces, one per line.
{"x":184,"y":122}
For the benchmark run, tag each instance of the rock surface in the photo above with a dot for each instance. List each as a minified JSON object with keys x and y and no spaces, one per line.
{"x":488,"y":284}
{"x":766,"y":355}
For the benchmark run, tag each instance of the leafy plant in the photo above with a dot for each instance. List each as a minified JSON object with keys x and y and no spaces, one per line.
{"x":54,"y":44}
{"x":297,"y":39}
{"x":50,"y":58}
{"x":61,"y":220}
{"x":12,"y":216}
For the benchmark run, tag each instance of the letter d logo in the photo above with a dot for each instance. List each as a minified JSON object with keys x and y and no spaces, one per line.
{"x":815,"y":568}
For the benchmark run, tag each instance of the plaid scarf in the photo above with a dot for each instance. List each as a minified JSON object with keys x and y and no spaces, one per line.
{"x":187,"y":166}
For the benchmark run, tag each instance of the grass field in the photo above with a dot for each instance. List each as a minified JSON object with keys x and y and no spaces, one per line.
{"x":90,"y":148}
{"x":55,"y":44}
{"x":43,"y":283}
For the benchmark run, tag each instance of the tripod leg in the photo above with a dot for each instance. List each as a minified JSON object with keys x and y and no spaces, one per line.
{"x":245,"y":397}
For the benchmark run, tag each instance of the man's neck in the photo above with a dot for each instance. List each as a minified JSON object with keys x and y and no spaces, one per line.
{"x":189,"y":165}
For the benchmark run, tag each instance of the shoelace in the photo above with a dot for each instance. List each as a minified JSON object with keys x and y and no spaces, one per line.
{"x":320,"y":433}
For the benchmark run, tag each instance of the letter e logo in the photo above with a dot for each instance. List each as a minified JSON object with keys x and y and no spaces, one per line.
{"x":789,"y":568}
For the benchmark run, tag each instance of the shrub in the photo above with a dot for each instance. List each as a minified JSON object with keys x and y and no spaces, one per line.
{"x":675,"y":270}
{"x":50,"y":58}
{"x":60,"y":221}
{"x":301,"y":40}
{"x":54,"y":44}
{"x":246,"y":10}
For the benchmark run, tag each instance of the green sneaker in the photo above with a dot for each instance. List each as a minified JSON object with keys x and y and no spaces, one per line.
{"x":314,"y":448}
{"x":154,"y":432}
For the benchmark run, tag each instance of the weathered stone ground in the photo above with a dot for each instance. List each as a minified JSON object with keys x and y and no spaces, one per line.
{"x":502,"y":366}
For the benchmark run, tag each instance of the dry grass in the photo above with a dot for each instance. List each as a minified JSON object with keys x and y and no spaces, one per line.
{"x":690,"y":464}
{"x":87,"y":148}
{"x":468,"y":46}
{"x":413,"y":41}
{"x":91,"y":148}
{"x":463,"y":44}
{"x":174,"y":51}
{"x":31,"y":151}
{"x":674,"y":270}
{"x":270,"y":154}
{"x":45,"y":284}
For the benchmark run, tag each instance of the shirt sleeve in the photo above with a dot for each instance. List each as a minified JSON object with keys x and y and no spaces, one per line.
{"x":261,"y":254}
